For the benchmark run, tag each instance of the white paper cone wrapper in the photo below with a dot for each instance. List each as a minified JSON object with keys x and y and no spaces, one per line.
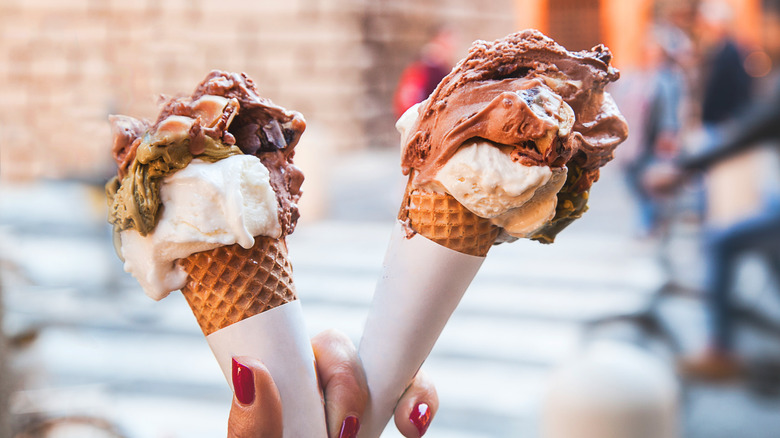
{"x":422,"y":283}
{"x":278,"y":337}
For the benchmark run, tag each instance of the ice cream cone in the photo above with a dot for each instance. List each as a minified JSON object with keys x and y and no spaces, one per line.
{"x":421,"y":284}
{"x":229,"y":284}
{"x":423,"y":281}
{"x":245,"y":303}
{"x":444,"y":220}
{"x":202,"y":202}
{"x":487,"y":154}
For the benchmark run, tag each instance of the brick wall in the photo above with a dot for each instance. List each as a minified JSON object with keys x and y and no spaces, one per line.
{"x":66,"y":64}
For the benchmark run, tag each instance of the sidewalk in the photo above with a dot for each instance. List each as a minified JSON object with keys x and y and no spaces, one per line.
{"x":106,"y":349}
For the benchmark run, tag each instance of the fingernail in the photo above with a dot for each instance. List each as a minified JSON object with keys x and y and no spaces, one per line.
{"x":243,"y":383}
{"x":421,"y":417}
{"x":350,"y":427}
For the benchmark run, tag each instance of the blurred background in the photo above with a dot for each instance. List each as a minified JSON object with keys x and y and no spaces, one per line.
{"x":641,"y":286}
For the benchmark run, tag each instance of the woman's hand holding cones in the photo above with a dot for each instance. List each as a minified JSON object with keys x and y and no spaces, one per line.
{"x":257,"y":408}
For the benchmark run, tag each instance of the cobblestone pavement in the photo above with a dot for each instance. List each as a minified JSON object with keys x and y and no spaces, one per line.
{"x":104,"y":348}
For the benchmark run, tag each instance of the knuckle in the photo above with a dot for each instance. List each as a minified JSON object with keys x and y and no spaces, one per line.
{"x":346,"y":383}
{"x":337,"y":337}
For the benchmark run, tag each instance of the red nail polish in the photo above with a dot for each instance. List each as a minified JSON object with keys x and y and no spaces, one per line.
{"x":421,"y":417}
{"x":350,"y":427}
{"x":243,"y":383}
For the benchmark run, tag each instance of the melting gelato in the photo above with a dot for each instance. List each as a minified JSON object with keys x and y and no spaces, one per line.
{"x":224,"y":116}
{"x":214,"y":169}
{"x":520,"y":101}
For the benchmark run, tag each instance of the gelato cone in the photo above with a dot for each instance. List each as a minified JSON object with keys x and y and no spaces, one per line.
{"x":506,"y":147}
{"x":202,"y":202}
{"x":228,"y":284}
{"x":442,"y":219}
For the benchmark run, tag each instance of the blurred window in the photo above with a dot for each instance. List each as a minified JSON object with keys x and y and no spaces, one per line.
{"x":575,"y":24}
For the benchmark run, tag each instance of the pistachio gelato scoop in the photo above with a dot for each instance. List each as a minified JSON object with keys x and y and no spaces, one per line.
{"x":161,"y":150}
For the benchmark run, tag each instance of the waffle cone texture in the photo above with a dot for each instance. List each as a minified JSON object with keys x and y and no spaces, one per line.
{"x":442,"y":219}
{"x":229,"y":284}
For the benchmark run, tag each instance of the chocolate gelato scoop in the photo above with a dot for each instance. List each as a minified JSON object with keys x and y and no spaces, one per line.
{"x":530,"y":97}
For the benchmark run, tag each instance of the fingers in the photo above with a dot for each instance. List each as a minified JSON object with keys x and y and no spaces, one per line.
{"x":417,"y":406}
{"x":257,"y":407}
{"x":343,"y":382}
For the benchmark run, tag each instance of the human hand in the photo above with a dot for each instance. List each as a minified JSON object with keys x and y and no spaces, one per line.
{"x":257,"y":408}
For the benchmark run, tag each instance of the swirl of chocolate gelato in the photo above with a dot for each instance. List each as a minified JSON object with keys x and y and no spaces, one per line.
{"x":487,"y":96}
{"x":223,"y":117}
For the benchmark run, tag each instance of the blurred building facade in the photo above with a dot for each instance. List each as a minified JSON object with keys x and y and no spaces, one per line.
{"x":65,"y":65}
{"x":622,"y":24}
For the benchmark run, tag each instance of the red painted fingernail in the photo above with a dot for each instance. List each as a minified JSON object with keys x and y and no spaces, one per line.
{"x":350,"y":427}
{"x":421,"y":417}
{"x":243,"y":383}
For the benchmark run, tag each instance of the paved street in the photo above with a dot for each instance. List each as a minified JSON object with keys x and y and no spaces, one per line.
{"x":105,"y":349}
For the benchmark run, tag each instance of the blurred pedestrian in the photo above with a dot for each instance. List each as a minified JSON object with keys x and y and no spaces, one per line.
{"x":420,"y":78}
{"x":727,"y":85}
{"x":760,"y":232}
{"x":666,"y":47}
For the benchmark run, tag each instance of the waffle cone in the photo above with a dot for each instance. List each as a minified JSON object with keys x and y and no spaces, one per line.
{"x":229,"y":284}
{"x":444,"y":220}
